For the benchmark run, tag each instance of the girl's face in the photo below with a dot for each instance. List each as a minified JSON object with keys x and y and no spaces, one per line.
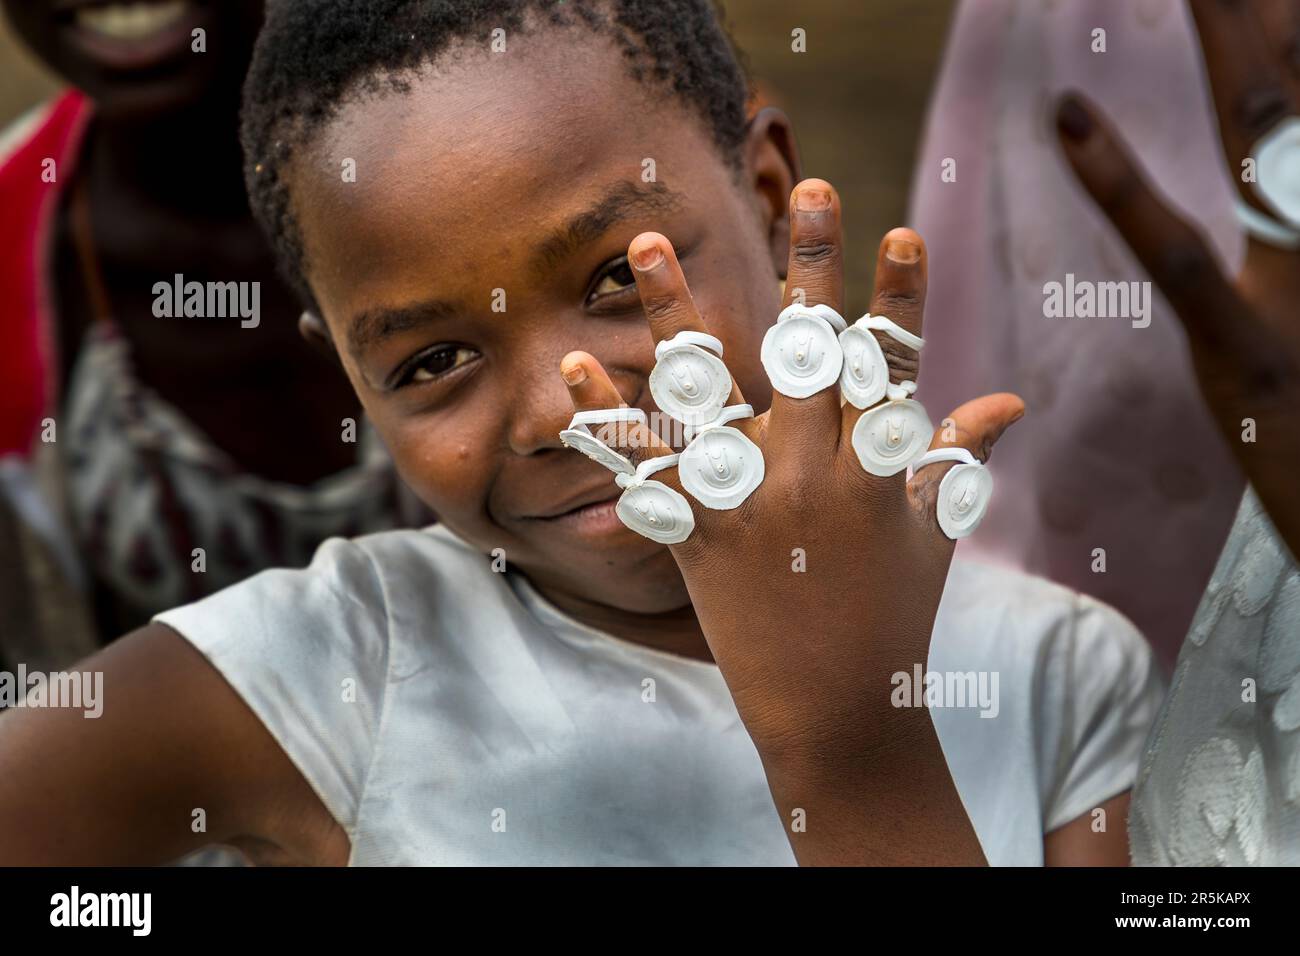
{"x":484,"y":237}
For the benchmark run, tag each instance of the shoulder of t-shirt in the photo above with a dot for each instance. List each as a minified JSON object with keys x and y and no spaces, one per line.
{"x":1035,"y":610}
{"x":1096,"y":685}
{"x":310,"y":649}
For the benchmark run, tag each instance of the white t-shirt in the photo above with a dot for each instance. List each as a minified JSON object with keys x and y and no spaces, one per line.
{"x":447,"y":714}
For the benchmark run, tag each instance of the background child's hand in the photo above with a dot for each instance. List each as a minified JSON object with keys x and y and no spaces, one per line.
{"x":1244,"y":333}
{"x":826,"y":580}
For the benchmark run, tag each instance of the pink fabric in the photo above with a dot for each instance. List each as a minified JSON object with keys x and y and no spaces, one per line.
{"x":1116,"y":451}
{"x":28,"y":370}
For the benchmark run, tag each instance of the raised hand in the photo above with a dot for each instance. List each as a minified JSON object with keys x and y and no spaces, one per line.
{"x":807,"y":652}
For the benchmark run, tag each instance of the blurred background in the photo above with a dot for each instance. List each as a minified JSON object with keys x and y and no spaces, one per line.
{"x":882,"y":56}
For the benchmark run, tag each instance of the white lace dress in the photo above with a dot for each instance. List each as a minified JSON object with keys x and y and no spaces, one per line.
{"x":1220,"y":780}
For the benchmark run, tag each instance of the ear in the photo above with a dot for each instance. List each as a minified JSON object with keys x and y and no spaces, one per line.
{"x":772,"y":168}
{"x":313,"y":329}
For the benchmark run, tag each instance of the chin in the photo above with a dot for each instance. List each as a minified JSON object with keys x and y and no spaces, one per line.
{"x":638,"y":583}
{"x":146,"y":102}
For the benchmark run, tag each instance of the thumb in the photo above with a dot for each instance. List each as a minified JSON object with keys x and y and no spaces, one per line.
{"x":975,"y":426}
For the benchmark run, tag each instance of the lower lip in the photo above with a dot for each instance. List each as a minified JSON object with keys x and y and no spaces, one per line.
{"x":137,"y":53}
{"x":596,"y":520}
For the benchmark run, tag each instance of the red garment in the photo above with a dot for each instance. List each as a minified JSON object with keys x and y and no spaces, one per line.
{"x":29,"y":386}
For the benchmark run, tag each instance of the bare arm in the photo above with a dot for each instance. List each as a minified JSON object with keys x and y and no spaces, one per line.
{"x":1077,"y":844}
{"x":122,"y":789}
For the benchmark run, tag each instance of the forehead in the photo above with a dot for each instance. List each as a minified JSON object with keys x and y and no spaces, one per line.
{"x":478,"y":159}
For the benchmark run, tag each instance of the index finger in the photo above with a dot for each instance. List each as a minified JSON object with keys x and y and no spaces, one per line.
{"x":665,"y":297}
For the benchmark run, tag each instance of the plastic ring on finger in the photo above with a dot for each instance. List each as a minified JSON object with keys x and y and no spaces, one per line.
{"x":1264,"y":227}
{"x":721,"y":466}
{"x":690,"y":382}
{"x":801,"y":353}
{"x":729,"y":414}
{"x":964,"y":492}
{"x":882,"y":323}
{"x":1277,"y":171}
{"x":865,"y":374}
{"x":578,"y":436}
{"x":603,"y":416}
{"x":690,"y":337}
{"x":821,"y":311}
{"x":891,"y":436}
{"x":651,"y":508}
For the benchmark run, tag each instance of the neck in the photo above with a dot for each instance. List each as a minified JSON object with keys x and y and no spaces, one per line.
{"x":188,"y":161}
{"x":676,"y":632}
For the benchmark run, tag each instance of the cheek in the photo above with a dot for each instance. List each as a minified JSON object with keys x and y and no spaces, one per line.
{"x":442,"y":458}
{"x":446,"y":466}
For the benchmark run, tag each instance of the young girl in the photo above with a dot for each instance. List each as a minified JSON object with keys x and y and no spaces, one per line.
{"x":476,"y":200}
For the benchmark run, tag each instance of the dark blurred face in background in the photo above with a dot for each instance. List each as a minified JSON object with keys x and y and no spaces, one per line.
{"x":137,"y":59}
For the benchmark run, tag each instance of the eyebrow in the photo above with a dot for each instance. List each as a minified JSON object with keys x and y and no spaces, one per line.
{"x":374,"y":325}
{"x":620,"y":202}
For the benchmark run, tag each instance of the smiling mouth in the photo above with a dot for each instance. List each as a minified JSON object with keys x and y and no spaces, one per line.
{"x":582,"y":511}
{"x":131,"y":21}
{"x":135,"y":34}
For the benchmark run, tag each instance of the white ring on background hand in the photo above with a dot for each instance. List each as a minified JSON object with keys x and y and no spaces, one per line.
{"x":689,"y":383}
{"x":721,"y":467}
{"x":801,"y":355}
{"x":866,"y":371}
{"x":891,"y":436}
{"x":1277,"y":170}
{"x":1264,"y":227}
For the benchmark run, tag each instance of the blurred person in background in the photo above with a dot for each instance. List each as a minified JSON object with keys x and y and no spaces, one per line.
{"x":147,"y":460}
{"x":1117,"y":484}
{"x":1144,"y":429}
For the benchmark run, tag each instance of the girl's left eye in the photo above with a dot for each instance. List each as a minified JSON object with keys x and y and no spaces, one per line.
{"x":614,"y":277}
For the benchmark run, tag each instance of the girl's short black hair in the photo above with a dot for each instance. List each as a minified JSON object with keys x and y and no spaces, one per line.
{"x":312,"y":56}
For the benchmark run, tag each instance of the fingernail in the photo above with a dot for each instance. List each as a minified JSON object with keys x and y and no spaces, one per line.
{"x":574,"y":374}
{"x":647,"y":257}
{"x":903,"y":251}
{"x":1073,"y":120}
{"x":812,"y":199}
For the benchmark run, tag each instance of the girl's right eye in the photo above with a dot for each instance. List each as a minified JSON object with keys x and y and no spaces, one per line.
{"x":433,"y":364}
{"x":613,"y":278}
